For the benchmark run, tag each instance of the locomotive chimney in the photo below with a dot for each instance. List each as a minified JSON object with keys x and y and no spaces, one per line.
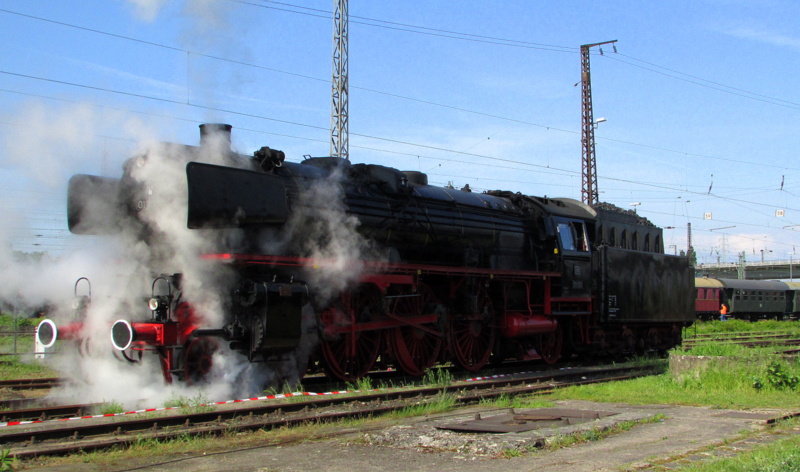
{"x":215,"y":133}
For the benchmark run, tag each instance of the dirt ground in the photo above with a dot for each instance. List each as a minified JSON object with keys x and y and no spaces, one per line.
{"x":685,"y":434}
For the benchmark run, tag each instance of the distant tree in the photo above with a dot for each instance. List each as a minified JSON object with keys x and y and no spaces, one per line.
{"x":692,"y":257}
{"x":30,"y":257}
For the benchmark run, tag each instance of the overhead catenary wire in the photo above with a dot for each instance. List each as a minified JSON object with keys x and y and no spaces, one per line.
{"x":395,"y":141}
{"x":511,"y":162}
{"x":427,"y":102}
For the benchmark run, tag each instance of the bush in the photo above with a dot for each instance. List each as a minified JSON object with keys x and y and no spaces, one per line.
{"x":779,"y":378}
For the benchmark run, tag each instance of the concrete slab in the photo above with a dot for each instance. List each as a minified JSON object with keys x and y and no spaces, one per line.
{"x":417,"y":445}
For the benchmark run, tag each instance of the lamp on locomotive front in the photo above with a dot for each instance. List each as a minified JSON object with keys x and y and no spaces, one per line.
{"x":159,"y":305}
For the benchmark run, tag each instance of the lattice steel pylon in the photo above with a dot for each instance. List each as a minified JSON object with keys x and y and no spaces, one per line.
{"x":339,"y":119}
{"x":589,"y":192}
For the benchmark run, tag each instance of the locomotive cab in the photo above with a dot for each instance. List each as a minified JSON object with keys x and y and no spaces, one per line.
{"x":573,"y":245}
{"x":571,"y":224}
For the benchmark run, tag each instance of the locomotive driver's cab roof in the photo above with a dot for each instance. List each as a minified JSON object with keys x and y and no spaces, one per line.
{"x":568,"y":207}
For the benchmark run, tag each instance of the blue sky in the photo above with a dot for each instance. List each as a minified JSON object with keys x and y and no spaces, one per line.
{"x":701,"y":101}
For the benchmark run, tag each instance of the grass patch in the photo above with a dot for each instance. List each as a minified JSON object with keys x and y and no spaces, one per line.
{"x":111,"y":408}
{"x":7,"y":321}
{"x":363,"y":385}
{"x":195,"y":404}
{"x":22,"y":365}
{"x":441,"y":404}
{"x":721,"y":349}
{"x":755,"y":382}
{"x":6,"y":463}
{"x":781,"y":456}
{"x":441,"y":378}
{"x":11,"y":367}
{"x":741,"y":326}
{"x":24,"y":344}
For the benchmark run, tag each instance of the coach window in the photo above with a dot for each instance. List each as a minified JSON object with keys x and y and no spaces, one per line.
{"x":647,"y":242}
{"x":613,"y":239}
{"x":624,"y":241}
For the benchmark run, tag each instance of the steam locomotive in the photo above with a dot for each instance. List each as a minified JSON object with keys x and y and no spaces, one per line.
{"x":354,"y":265}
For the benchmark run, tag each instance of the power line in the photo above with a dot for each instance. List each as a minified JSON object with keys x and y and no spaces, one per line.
{"x":548,"y":47}
{"x":436,"y":148}
{"x":326,"y":14}
{"x":460,"y":109}
{"x":713,"y":85}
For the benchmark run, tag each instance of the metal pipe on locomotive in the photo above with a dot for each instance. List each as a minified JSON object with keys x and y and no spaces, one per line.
{"x":452,"y":275}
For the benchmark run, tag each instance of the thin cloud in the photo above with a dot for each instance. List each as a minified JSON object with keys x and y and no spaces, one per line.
{"x":766,"y":36}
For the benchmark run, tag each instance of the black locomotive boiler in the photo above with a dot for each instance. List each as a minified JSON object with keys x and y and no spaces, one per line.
{"x":373,"y":263}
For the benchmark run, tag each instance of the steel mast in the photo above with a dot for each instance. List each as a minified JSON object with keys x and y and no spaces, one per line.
{"x":589,"y":192}
{"x":339,"y":120}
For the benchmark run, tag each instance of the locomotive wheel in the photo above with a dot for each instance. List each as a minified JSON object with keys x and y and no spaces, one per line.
{"x":414,"y":349}
{"x":653,"y":339}
{"x":599,"y":344}
{"x":471,"y":339}
{"x":352,"y":354}
{"x":628,"y":341}
{"x":198,"y":359}
{"x":550,"y":346}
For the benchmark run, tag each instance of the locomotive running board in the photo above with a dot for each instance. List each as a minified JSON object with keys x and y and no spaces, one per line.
{"x":225,"y":197}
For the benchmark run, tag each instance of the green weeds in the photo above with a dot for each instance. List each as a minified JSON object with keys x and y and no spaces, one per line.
{"x":441,"y":404}
{"x":111,"y":408}
{"x":196,"y":404}
{"x":781,"y":456}
{"x":6,"y":462}
{"x":441,"y":378}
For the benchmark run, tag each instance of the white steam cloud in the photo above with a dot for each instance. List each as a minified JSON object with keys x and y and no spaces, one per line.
{"x":121,"y":268}
{"x":50,"y":144}
{"x":327,"y":234}
{"x":147,"y":10}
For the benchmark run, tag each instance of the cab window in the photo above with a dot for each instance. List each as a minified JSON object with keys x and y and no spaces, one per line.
{"x":572,"y":235}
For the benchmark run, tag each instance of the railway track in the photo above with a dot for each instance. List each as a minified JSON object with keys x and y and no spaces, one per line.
{"x":44,"y":413}
{"x":745,"y":339}
{"x":66,"y":436}
{"x":30,"y":384}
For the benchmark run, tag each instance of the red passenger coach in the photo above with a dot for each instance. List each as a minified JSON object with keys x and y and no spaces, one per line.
{"x":707,"y":298}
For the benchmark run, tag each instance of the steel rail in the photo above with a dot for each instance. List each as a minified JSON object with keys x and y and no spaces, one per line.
{"x":66,"y":437}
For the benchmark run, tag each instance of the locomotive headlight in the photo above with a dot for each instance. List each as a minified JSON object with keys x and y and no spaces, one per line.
{"x":154,"y":304}
{"x":159,"y":305}
{"x":79,"y":303}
